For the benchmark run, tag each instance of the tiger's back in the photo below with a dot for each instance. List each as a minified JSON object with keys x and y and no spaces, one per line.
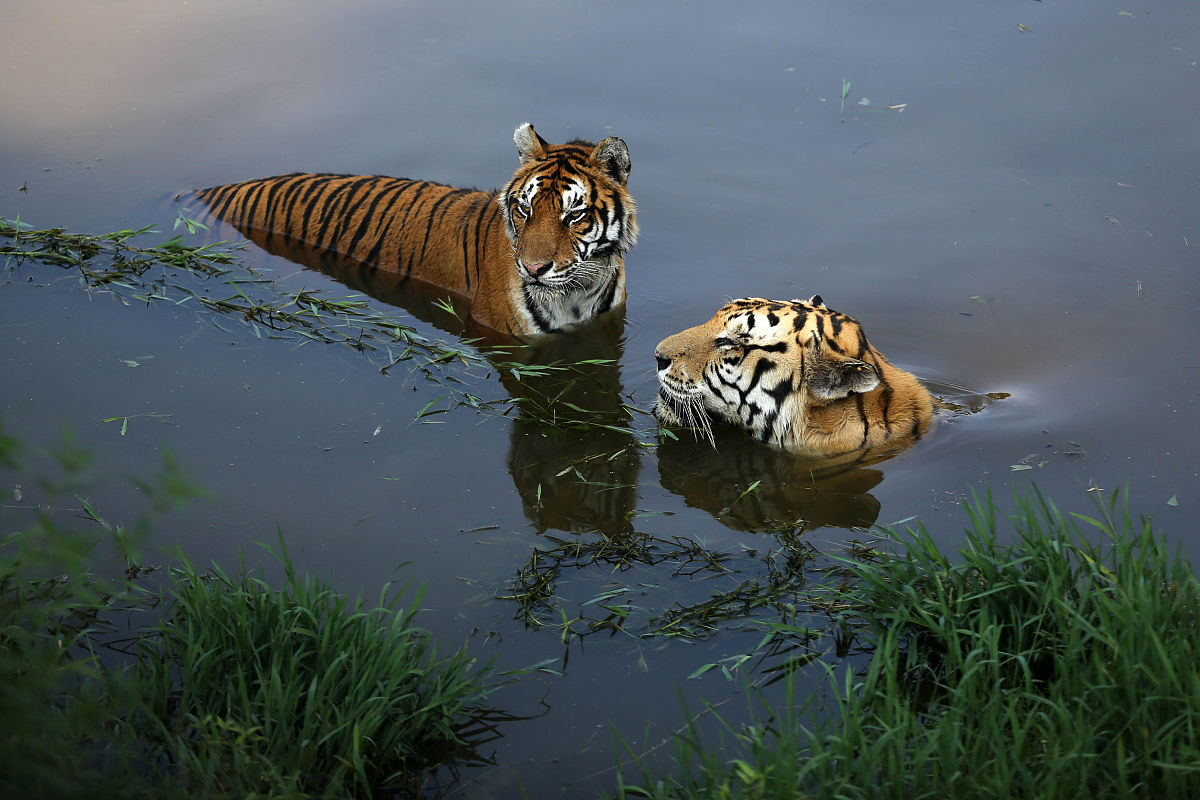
{"x":395,"y":224}
{"x":541,"y":254}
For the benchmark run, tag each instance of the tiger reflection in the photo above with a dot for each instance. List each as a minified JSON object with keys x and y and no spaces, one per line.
{"x":791,"y":493}
{"x":571,"y":469}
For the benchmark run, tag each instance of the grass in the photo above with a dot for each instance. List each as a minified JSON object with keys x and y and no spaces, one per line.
{"x":257,"y":690}
{"x":239,"y":690}
{"x":1065,"y":664}
{"x":62,"y":705}
{"x":1054,"y":656}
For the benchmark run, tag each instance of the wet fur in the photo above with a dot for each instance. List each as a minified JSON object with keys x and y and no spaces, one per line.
{"x":793,"y":374}
{"x":475,"y":244}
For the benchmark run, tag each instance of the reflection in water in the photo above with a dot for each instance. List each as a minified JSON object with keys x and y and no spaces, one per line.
{"x":572,"y":458}
{"x":751,"y":486}
{"x":425,"y":302}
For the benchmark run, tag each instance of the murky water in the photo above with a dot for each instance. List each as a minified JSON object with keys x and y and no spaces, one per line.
{"x":1007,"y":197}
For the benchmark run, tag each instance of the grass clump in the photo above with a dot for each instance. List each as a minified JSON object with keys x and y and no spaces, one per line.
{"x":219,"y":687}
{"x":65,"y":693}
{"x":1049,"y":666}
{"x":300,"y":692}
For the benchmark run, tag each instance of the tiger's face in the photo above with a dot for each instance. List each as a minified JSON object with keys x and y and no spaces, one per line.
{"x":794,"y":374}
{"x":567,"y":213}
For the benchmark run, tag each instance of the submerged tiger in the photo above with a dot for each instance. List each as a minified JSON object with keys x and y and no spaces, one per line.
{"x":545,"y":252}
{"x":795,"y":374}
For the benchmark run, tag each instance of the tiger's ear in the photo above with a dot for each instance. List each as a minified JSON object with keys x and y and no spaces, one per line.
{"x":613,"y":156}
{"x":530,"y":146}
{"x":832,"y":376}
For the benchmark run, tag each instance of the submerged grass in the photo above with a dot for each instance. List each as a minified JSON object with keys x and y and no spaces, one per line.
{"x":1059,"y":665}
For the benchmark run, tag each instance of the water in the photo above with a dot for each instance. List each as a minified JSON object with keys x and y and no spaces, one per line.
{"x":1005,"y":210}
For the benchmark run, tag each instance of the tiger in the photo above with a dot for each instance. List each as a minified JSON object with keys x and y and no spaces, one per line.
{"x":542,"y":254}
{"x":793,"y":374}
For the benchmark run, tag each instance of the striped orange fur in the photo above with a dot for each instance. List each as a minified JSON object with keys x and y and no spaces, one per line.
{"x":796,"y":375}
{"x":543,"y":253}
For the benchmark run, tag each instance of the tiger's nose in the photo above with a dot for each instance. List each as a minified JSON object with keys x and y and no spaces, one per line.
{"x":536,"y":269}
{"x":663,"y":362}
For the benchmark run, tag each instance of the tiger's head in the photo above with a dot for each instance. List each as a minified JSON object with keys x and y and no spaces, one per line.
{"x":794,"y":374}
{"x":567,"y":213}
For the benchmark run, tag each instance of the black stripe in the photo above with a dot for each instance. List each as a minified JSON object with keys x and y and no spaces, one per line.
{"x":288,"y":202}
{"x":463,"y":222}
{"x":716,"y":389}
{"x":863,"y":345}
{"x":483,"y":210}
{"x":610,"y":294}
{"x":254,"y":198}
{"x":227,"y":196}
{"x":540,"y":322}
{"x":862,"y":412}
{"x":763,"y":366}
{"x":916,"y":426}
{"x":835,"y":322}
{"x":241,"y":199}
{"x":779,"y":394}
{"x":373,"y":256}
{"x":355,"y":194}
{"x":430,"y":221}
{"x":496,"y":210}
{"x":329,"y":194}
{"x":778,"y":347}
{"x":221,"y":197}
{"x":412,"y":206}
{"x":313,"y":193}
{"x":885,"y":397}
{"x":272,"y":208}
{"x":829,"y":339}
{"x":619,"y":210}
{"x":391,"y":190}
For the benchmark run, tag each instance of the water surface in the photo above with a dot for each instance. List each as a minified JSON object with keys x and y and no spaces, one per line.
{"x":1006,"y":211}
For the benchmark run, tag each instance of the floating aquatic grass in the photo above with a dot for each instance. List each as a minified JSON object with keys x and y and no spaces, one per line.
{"x":1062,"y":662}
{"x":113,"y":262}
{"x":118,"y":263}
{"x":656,"y":594}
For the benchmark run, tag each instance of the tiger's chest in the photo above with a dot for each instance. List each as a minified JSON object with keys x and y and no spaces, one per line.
{"x":546,"y":310}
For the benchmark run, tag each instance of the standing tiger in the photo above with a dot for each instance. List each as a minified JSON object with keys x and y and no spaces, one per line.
{"x":796,"y":375}
{"x":543,"y":253}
